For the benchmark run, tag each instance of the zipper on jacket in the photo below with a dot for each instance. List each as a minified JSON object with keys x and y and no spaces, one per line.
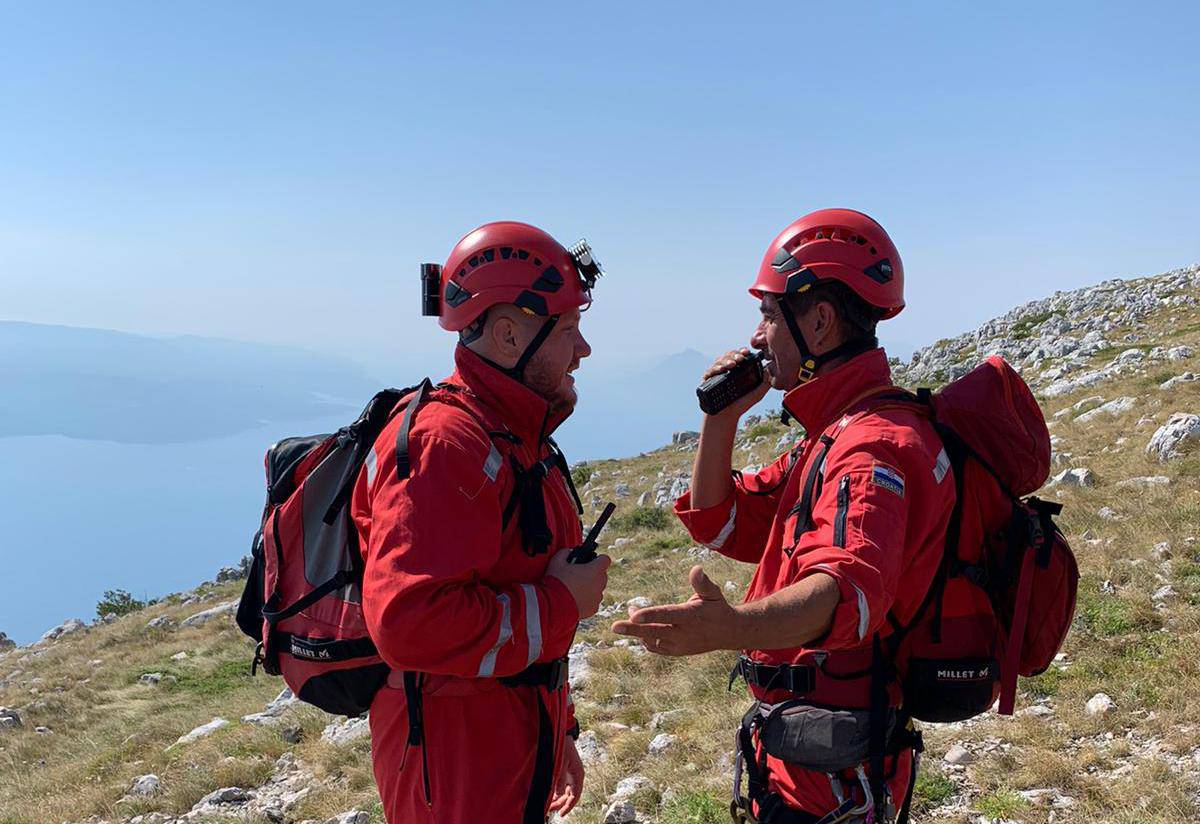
{"x":425,"y":772}
{"x":843,"y":509}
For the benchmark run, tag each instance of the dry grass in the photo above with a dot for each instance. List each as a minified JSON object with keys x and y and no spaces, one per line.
{"x":107,"y":728}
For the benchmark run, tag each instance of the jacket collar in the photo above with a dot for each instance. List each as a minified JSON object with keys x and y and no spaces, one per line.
{"x":523,"y":411}
{"x":817,"y":403}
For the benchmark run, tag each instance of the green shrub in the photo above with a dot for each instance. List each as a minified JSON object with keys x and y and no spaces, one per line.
{"x":581,"y":473}
{"x":760,"y":429}
{"x":1104,"y":615}
{"x":672,"y":541}
{"x":694,"y":808}
{"x":1001,"y":804}
{"x":643,"y":517}
{"x":933,"y":788}
{"x":1024,"y":327}
{"x":117,"y":602}
{"x":225,"y":677}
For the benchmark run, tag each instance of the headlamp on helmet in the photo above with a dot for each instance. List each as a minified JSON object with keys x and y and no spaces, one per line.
{"x":586,"y":264}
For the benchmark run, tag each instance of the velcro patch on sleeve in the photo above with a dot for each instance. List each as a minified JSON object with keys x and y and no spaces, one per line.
{"x":890,"y":479}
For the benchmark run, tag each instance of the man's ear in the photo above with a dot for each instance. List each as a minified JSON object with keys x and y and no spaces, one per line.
{"x":827,"y":324}
{"x":504,"y":334}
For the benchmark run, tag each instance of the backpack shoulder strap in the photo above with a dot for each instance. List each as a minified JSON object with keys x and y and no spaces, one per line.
{"x":428,"y":392}
{"x":561,"y":461}
{"x":403,"y":466}
{"x":871,"y":402}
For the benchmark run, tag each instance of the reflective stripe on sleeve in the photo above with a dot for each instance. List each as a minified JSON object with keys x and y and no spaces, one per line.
{"x":864,"y":608}
{"x":533,"y":623}
{"x":488,"y":665}
{"x":864,"y":613}
{"x":725,"y":532}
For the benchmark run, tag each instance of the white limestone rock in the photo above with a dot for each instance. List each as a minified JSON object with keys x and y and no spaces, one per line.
{"x":1178,"y":380}
{"x":591,"y":750}
{"x":146,"y":786}
{"x":65,"y":628}
{"x":346,"y":731}
{"x":274,"y":710}
{"x":660,"y":743}
{"x":10,"y":719}
{"x":620,"y":812}
{"x":1112,"y":409}
{"x":203,"y":731}
{"x":1078,"y":477}
{"x":959,"y":756}
{"x":1171,"y":439}
{"x":202,"y":618}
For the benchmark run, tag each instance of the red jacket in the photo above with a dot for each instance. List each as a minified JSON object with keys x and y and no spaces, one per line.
{"x":879,"y":517}
{"x":450,"y":591}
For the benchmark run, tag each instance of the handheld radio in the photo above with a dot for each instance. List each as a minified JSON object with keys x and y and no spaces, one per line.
{"x":719,"y":391}
{"x":585,"y":553}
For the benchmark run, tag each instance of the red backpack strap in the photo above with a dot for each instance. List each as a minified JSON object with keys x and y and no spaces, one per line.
{"x":1012,"y":650}
{"x":1037,"y":551}
{"x":869,"y":402}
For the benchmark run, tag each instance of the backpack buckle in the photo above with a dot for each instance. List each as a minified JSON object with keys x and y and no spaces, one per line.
{"x":558,"y":674}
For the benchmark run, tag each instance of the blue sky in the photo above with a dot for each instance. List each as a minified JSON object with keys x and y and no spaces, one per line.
{"x":276,"y":171}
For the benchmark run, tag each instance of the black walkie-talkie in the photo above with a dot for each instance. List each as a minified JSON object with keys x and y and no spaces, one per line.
{"x":585,"y":553}
{"x":719,"y":391}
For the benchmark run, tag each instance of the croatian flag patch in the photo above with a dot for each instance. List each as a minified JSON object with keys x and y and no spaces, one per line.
{"x":890,"y":479}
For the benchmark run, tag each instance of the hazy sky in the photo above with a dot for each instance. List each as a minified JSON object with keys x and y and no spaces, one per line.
{"x":277,"y":171}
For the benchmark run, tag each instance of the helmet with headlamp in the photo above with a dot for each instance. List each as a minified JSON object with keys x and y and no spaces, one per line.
{"x":507,"y":262}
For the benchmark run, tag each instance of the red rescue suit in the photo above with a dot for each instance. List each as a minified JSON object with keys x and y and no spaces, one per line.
{"x":451,"y":592}
{"x":879,"y":516}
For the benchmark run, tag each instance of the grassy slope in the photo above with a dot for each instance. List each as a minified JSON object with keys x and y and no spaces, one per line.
{"x":107,"y":729}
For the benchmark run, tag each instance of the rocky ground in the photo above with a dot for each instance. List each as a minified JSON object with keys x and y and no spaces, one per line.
{"x":154,"y":717}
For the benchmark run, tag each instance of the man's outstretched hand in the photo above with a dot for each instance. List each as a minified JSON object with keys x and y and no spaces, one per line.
{"x":703,"y":623}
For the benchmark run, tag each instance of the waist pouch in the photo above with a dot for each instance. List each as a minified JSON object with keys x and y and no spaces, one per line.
{"x":816,"y":738}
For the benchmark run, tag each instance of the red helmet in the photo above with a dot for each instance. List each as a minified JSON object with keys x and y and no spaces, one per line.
{"x":510,"y":262}
{"x":837,"y":244}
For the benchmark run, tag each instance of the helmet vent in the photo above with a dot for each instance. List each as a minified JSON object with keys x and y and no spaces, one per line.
{"x":550,"y":281}
{"x":456,"y":295}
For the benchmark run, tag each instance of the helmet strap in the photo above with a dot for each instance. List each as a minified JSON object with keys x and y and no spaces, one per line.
{"x":517,"y":370}
{"x":810,"y":362}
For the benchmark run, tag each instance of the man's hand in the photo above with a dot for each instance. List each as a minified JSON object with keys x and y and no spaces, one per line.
{"x":585,"y":582}
{"x":703,"y":623}
{"x":733,"y":412}
{"x":568,"y":789}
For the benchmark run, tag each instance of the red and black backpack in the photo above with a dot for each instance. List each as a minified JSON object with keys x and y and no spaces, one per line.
{"x":303,"y":598}
{"x":302,"y":601}
{"x":1000,"y":603}
{"x":1003,"y":597}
